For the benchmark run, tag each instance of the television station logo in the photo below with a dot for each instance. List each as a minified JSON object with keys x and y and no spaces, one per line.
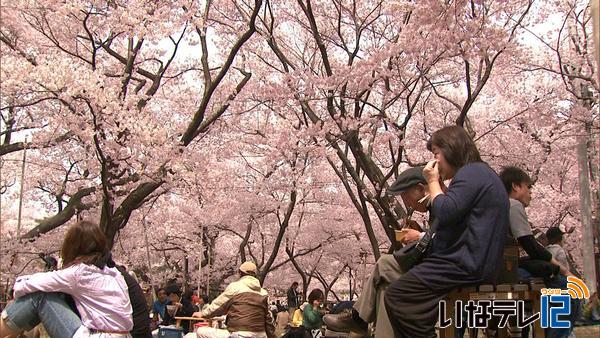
{"x":555,"y":308}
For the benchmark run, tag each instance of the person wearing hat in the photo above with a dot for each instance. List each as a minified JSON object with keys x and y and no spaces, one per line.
{"x":471,"y":223}
{"x":246,"y":305}
{"x":411,"y":186}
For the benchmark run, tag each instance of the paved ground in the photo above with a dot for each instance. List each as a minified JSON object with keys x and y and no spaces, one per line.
{"x":587,"y":331}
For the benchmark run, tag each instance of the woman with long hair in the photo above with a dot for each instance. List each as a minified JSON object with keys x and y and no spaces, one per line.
{"x":472,"y":224}
{"x":99,"y":293}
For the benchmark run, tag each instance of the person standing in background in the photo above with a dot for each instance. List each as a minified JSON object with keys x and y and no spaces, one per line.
{"x":292,"y":298}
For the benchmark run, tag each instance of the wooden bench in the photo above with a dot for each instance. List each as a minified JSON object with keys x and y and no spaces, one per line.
{"x":508,"y":289}
{"x":526,"y":292}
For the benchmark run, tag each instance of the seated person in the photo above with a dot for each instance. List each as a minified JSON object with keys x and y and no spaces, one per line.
{"x":518,"y":185}
{"x":203,"y":302}
{"x":245,"y":303}
{"x":411,"y":186}
{"x":195,"y":300}
{"x":296,"y":330}
{"x":298,"y":316}
{"x":312,"y":317}
{"x":555,"y":242}
{"x":141,"y":319}
{"x":472,"y":223}
{"x":178,"y":307}
{"x":99,"y":292}
{"x":159,"y":307}
{"x":281,"y":321}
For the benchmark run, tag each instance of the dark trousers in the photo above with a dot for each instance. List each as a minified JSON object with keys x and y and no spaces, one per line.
{"x":556,"y":282}
{"x":413,"y":307}
{"x":560,"y":282}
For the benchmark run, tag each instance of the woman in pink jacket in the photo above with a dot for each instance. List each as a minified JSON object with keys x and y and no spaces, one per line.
{"x":99,"y":292}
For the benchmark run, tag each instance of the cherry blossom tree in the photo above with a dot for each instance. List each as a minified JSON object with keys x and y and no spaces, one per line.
{"x":201,"y":134}
{"x":103,"y":77}
{"x":359,"y":73}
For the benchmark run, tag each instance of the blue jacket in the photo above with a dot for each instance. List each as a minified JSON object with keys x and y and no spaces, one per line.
{"x":473,"y":223}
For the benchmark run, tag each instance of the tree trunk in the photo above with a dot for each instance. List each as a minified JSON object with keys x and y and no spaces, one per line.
{"x":585,"y":200}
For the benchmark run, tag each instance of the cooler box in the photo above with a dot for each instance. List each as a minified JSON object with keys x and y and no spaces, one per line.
{"x":170,"y":332}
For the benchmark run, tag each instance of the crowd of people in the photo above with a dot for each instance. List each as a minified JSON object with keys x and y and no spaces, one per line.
{"x":171,"y":303}
{"x":469,"y":220}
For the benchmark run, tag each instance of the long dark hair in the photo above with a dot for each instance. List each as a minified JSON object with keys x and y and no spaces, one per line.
{"x":84,"y":243}
{"x":456,"y":145}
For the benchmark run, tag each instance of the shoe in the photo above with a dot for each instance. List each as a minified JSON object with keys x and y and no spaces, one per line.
{"x":344,"y":322}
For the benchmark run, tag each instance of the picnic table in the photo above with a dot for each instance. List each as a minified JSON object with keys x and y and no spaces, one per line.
{"x":192,"y":321}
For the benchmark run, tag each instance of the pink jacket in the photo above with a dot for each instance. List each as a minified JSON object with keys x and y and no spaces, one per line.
{"x":100,"y":294}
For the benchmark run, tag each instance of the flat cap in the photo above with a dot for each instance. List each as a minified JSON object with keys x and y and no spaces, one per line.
{"x":407,"y":179}
{"x":248,"y":267}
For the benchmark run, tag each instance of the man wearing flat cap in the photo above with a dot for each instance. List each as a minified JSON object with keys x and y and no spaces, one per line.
{"x":411,"y":186}
{"x":246,"y":305}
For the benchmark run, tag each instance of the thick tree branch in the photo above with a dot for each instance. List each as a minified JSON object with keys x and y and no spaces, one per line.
{"x":197,"y":121}
{"x":75,"y":204}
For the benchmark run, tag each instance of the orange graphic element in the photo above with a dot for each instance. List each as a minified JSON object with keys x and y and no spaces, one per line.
{"x":576,"y":288}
